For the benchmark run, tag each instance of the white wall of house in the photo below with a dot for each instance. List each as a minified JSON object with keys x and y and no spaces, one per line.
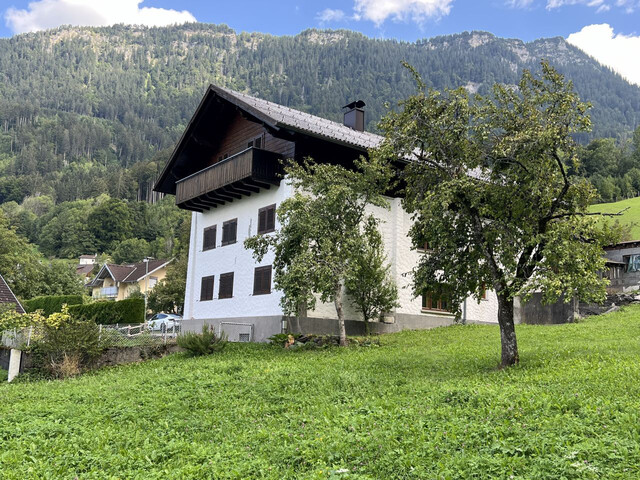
{"x":231,"y":258}
{"x":235,"y":258}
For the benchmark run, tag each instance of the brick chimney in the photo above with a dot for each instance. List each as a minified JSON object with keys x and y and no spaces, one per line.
{"x":354,"y":115}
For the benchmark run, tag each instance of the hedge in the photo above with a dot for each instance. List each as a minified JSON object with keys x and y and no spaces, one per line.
{"x":51,"y":303}
{"x":108,"y":313}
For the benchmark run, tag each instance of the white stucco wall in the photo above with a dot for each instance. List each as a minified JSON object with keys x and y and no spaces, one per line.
{"x":230,"y":258}
{"x":234,"y":258}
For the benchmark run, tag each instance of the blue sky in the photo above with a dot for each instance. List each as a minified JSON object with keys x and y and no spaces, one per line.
{"x":612,"y":32}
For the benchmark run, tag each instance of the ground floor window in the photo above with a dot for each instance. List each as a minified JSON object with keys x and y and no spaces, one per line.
{"x":262,"y":280}
{"x":206,"y":288}
{"x":436,"y":300}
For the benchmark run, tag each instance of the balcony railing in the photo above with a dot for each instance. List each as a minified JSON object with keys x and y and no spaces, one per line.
{"x":109,"y":292}
{"x":242,"y":174}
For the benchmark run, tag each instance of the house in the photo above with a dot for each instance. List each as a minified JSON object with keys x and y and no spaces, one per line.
{"x":8,"y":299}
{"x":117,"y":282}
{"x":85,"y":267}
{"x":226,"y":170}
{"x":623,"y":266}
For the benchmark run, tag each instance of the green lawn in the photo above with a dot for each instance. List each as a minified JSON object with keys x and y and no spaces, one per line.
{"x":630,"y":216}
{"x":423,"y":405}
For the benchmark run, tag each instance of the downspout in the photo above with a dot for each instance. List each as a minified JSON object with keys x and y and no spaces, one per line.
{"x":464,"y":311}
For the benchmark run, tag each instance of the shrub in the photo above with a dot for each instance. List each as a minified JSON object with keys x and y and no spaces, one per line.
{"x":51,"y":303}
{"x":130,"y":310}
{"x":204,"y":343}
{"x":69,"y":348}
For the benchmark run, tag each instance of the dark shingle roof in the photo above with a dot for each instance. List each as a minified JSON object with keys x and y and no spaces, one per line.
{"x":281,"y":116}
{"x":84,"y":269}
{"x":7,"y":296}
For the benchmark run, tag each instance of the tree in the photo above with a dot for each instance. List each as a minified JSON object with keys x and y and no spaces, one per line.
{"x":110,"y":222}
{"x":131,"y":250}
{"x":321,"y":232}
{"x":60,"y":278}
{"x":489,"y":190}
{"x":369,"y":285}
{"x":168,"y":294}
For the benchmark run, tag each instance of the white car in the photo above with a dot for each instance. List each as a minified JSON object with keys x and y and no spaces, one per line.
{"x":164,"y":321}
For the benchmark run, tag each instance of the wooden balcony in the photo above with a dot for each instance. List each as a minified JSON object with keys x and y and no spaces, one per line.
{"x":232,"y":178}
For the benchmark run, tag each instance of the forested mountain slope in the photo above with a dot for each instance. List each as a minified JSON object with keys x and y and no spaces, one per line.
{"x":80,"y":106}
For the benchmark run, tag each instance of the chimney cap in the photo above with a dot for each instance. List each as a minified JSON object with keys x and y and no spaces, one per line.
{"x":356,"y":104}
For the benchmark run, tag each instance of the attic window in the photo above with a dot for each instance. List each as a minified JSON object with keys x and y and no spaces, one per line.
{"x":209,"y":238}
{"x":256,"y":142}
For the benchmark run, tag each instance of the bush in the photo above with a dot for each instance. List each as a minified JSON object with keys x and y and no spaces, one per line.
{"x":51,"y":303}
{"x":130,"y":311}
{"x":204,"y":343}
{"x":65,"y":350}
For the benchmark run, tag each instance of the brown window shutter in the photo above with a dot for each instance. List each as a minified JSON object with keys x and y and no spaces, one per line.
{"x":209,"y":238}
{"x":267,"y":219}
{"x":262,"y":280}
{"x":229,"y":231}
{"x":206,"y":288}
{"x":226,"y":285}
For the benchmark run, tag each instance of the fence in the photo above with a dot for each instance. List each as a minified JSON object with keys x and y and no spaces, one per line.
{"x":110,"y":336}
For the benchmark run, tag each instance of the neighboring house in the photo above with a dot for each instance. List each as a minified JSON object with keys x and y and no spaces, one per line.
{"x":623,"y":262}
{"x":117,"y":282}
{"x":85,"y":267}
{"x":7,"y":298}
{"x":226,"y":170}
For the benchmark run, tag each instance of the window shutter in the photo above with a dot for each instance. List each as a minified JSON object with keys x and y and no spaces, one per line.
{"x":209,"y":238}
{"x":229,"y":231}
{"x":262,"y":281}
{"x":267,"y":219}
{"x":206,"y":288}
{"x":226,"y":285}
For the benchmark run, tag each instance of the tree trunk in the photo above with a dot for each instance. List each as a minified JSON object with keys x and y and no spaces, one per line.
{"x":367,"y":327}
{"x":341,"y":328}
{"x":507,"y":331}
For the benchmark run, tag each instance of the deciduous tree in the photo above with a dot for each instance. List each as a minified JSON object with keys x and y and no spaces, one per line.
{"x":490,"y":192}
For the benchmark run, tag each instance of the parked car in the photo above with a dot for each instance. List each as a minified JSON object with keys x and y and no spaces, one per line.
{"x":164,"y":321}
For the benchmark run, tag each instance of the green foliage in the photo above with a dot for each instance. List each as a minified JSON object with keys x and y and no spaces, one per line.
{"x":205,"y":343}
{"x":51,"y":303}
{"x":168,"y":294}
{"x":67,"y":349}
{"x":323,"y":227}
{"x":374,"y":410}
{"x":371,"y":289}
{"x":490,"y":192}
{"x":630,"y":217}
{"x":129,"y":311}
{"x":111,"y":222}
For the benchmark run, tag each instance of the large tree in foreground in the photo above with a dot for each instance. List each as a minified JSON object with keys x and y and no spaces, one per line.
{"x":325,"y":226}
{"x":490,"y":192}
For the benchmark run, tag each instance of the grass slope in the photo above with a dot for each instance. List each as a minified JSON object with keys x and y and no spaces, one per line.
{"x":630,"y":216}
{"x":423,"y":405}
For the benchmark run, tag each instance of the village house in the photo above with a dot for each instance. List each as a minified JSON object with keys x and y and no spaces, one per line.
{"x":623,"y":266}
{"x":8,"y":299}
{"x":118,"y":282}
{"x":226,"y":170}
{"x":85,"y":267}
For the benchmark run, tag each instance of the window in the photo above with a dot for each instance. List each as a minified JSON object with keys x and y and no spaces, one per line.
{"x":424,"y":247}
{"x":226,"y":285}
{"x":633,"y":263}
{"x":209,"y":238}
{"x":229,"y":231}
{"x":484,"y":292}
{"x":438,"y":301}
{"x":262,"y":281}
{"x":267,"y":219}
{"x":206,"y":288}
{"x":256,"y":142}
{"x":152,"y":282}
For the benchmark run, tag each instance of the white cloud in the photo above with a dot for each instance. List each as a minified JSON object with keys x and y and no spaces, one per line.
{"x":44,"y":14}
{"x":620,"y":52}
{"x":330,"y":15}
{"x":601,"y":5}
{"x":417,"y":11}
{"x":519,"y":3}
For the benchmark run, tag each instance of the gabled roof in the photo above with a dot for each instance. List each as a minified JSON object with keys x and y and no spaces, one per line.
{"x":279,"y":116}
{"x":7,"y":297}
{"x":84,"y":269}
{"x":128,"y":273}
{"x":276,"y":117}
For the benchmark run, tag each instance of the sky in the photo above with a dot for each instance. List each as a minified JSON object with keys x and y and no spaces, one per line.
{"x":608,"y":30}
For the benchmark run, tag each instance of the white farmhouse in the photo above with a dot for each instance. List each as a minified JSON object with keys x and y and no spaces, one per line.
{"x":226,"y":170}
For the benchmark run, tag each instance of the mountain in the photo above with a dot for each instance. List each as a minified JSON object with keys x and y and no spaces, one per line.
{"x":83,"y":111}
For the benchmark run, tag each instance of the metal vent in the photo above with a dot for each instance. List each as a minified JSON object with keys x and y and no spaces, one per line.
{"x":244,"y":337}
